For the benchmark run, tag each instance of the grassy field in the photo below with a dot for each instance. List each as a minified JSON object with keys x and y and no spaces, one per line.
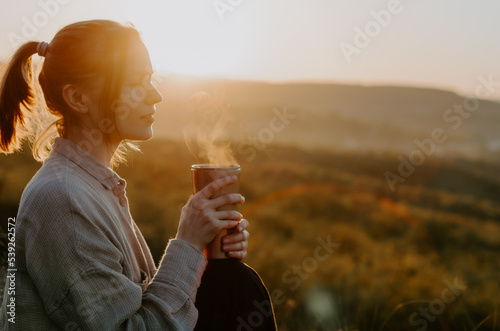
{"x":335,"y":246}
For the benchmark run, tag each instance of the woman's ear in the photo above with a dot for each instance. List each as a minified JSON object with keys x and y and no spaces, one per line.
{"x":75,"y":99}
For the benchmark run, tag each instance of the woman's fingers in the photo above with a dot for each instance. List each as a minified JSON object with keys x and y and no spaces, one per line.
{"x":201,"y":203}
{"x":237,"y":255}
{"x":211,"y":189}
{"x":201,"y":221}
{"x":228,"y":215}
{"x":227,"y":224}
{"x":203,"y":198}
{"x":236,"y":238}
{"x":235,"y":247}
{"x":235,"y":244}
{"x":243,"y":226}
{"x":216,"y":225}
{"x":227,"y":199}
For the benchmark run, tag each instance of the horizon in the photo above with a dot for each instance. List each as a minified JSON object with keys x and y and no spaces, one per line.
{"x":316,"y":82}
{"x":326,"y":82}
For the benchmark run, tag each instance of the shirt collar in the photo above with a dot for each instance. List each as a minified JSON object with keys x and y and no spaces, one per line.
{"x":105,"y":175}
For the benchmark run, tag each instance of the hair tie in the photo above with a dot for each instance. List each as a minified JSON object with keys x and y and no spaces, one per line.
{"x":42,"y":48}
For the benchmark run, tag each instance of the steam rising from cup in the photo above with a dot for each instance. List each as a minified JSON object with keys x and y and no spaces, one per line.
{"x":206,"y":134}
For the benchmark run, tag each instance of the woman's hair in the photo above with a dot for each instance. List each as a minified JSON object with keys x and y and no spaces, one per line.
{"x":80,"y":54}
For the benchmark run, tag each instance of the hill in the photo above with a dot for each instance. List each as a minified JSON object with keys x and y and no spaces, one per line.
{"x":335,"y":116}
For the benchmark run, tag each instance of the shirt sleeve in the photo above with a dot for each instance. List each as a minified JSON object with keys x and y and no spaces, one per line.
{"x":76,"y":266}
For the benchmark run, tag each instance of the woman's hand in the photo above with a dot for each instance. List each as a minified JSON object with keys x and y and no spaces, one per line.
{"x":235,"y":244}
{"x":200,"y":221}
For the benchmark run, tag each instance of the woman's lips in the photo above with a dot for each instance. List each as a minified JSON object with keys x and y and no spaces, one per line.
{"x":149,"y":117}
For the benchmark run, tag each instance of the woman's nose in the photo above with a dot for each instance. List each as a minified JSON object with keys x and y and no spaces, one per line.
{"x":154,"y":96}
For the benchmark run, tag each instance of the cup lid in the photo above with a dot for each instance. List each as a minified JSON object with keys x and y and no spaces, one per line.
{"x":216,"y":167}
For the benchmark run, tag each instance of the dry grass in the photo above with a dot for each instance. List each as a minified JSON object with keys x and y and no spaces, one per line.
{"x":396,"y":249}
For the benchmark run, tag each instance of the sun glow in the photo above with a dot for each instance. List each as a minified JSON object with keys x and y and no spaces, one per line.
{"x":188,"y":41}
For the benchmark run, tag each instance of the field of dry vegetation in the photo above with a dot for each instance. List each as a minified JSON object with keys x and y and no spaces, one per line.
{"x":336,"y":248}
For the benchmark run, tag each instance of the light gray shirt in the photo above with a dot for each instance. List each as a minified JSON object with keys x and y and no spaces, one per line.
{"x":82,"y":263}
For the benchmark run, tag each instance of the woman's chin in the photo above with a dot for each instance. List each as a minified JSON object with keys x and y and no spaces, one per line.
{"x":142,"y":136}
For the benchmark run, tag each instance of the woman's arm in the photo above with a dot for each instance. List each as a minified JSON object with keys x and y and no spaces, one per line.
{"x":79,"y":273}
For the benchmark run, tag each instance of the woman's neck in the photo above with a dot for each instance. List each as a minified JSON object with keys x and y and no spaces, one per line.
{"x":93,"y":142}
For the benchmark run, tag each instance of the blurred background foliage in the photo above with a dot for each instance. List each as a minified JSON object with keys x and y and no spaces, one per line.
{"x":396,"y":249}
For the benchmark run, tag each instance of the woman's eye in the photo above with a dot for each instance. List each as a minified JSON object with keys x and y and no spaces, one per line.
{"x":135,"y":84}
{"x":144,"y":81}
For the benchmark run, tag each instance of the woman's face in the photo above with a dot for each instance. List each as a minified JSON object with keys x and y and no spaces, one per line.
{"x":134,"y":111}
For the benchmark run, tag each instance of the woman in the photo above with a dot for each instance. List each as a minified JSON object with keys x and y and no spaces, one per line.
{"x":81,"y":262}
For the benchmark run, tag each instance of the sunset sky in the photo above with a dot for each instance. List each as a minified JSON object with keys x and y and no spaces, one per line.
{"x":431,"y":43}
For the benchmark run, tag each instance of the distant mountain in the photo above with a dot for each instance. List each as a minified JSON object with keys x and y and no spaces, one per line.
{"x":334,"y":116}
{"x":328,"y":116}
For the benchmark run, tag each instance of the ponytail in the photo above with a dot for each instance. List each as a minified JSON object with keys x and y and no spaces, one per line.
{"x":16,"y":96}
